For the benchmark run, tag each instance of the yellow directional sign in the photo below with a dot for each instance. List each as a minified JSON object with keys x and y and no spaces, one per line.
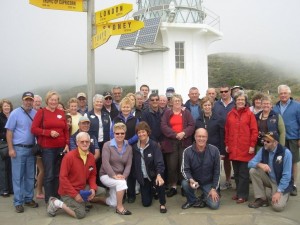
{"x":124,"y":27}
{"x":69,"y":5}
{"x":112,"y":13}
{"x":101,"y":38}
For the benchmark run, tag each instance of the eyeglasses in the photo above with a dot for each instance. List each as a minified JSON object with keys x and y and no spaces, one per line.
{"x":84,"y":142}
{"x":119,"y":133}
{"x":108,"y":98}
{"x":267,"y":141}
{"x":154,"y":100}
{"x":223,"y":92}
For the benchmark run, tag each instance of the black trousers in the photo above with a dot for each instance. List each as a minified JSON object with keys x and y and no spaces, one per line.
{"x":241,"y":177}
{"x":147,"y":191}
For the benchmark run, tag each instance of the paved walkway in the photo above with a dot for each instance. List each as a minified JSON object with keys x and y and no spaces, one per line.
{"x":229,"y":213}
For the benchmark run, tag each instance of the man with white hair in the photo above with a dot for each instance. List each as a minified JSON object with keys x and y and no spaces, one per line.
{"x":289,"y":109}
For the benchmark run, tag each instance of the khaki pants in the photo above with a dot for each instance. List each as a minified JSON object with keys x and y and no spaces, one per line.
{"x":260,"y":180}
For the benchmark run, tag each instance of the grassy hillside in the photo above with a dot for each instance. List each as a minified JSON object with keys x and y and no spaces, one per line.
{"x":251,"y":72}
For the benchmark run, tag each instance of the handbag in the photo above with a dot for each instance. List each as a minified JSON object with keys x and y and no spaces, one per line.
{"x":36,"y":149}
{"x":3,"y":150}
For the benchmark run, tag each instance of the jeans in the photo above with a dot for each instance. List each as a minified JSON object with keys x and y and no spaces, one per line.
{"x":51,"y":160}
{"x":23,"y":172}
{"x":147,"y":193}
{"x":191,"y":197}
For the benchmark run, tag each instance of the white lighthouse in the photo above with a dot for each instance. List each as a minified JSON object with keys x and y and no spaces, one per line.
{"x":172,"y":48}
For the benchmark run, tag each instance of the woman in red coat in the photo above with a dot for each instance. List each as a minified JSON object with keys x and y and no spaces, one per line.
{"x":240,"y":139}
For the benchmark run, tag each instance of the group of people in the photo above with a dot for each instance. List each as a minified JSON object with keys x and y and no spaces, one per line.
{"x":149,"y":144}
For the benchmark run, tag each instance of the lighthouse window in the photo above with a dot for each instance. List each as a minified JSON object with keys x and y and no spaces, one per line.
{"x":179,"y":55}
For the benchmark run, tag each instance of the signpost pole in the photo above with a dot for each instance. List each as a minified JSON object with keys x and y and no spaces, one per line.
{"x":90,"y":54}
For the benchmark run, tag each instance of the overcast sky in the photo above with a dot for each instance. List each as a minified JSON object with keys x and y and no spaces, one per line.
{"x":40,"y":47}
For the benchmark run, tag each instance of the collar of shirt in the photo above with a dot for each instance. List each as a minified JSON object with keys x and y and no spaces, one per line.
{"x":231,"y":99}
{"x":83,"y":155}
{"x":113,"y":143}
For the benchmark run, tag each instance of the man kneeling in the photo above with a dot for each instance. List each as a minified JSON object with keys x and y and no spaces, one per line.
{"x":77,"y":180}
{"x":271,"y":167}
{"x":201,"y":168}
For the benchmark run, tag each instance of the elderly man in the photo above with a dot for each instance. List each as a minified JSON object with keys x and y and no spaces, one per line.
{"x":201,"y":168}
{"x":194,"y":102}
{"x":117,"y":96}
{"x":37,"y":102}
{"x":271,"y":167}
{"x":289,"y":109}
{"x":77,"y":180}
{"x":82,"y":106}
{"x":20,"y":142}
{"x":212,"y":93}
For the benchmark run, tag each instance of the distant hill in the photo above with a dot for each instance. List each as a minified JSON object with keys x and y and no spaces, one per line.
{"x":251,"y":72}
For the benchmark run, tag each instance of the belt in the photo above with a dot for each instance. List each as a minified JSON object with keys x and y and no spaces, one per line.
{"x":24,"y":146}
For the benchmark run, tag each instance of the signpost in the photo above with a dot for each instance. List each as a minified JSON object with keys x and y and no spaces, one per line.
{"x":123,"y":27}
{"x":112,"y":13}
{"x":69,"y":5}
{"x":101,"y":38}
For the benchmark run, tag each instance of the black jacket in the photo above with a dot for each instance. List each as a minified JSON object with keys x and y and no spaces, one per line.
{"x":153,"y":161}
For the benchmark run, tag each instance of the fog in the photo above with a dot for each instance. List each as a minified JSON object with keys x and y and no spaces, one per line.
{"x":47,"y":48}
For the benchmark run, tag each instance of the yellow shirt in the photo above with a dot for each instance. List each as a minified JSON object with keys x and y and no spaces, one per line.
{"x":83,"y":155}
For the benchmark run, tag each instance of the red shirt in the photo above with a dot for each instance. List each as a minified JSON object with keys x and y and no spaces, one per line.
{"x":176,"y":123}
{"x":51,"y":121}
{"x":75,"y":175}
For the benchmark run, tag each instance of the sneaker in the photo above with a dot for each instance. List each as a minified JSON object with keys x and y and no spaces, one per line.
{"x":294,"y":191}
{"x":19,"y":209}
{"x":32,"y":204}
{"x":258,"y":203}
{"x":51,"y":209}
{"x":226,"y":185}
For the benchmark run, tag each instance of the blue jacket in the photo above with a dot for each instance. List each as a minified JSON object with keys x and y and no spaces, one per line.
{"x":130,"y":123}
{"x":153,"y":119}
{"x":215,"y":129}
{"x":94,"y":127}
{"x":153,"y":158}
{"x":220,"y":109}
{"x":291,"y":118}
{"x":94,"y":143}
{"x":206,"y":171}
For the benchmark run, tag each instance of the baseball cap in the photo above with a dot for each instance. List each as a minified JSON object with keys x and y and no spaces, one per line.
{"x":272,"y":136}
{"x":81,"y":94}
{"x":83,"y":119}
{"x":106,"y":94}
{"x":27,"y":95}
{"x":170,"y":89}
{"x":237,"y":86}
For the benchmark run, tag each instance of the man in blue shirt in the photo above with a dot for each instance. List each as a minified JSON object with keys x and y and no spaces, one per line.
{"x":20,"y":142}
{"x":271,"y":167}
{"x":289,"y":109}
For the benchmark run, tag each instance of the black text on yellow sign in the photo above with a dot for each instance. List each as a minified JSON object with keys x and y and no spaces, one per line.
{"x":124,"y":27}
{"x":101,"y":38}
{"x":112,"y":13}
{"x":69,"y":5}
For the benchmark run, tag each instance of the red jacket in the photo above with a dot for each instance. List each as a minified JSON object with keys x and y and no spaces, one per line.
{"x":42,"y":127}
{"x":240,"y":134}
{"x":74,"y":175}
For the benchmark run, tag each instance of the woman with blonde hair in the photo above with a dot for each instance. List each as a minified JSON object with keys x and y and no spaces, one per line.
{"x":73,"y":110}
{"x":50,"y":127}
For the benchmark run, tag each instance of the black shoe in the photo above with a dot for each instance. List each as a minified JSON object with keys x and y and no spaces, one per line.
{"x":182,"y":192}
{"x":294,"y":191}
{"x":199,"y":204}
{"x":125,"y":212}
{"x":19,"y":209}
{"x":5,"y":194}
{"x":130,"y":200}
{"x":162,"y":209}
{"x":187,"y":205}
{"x":172,"y":192}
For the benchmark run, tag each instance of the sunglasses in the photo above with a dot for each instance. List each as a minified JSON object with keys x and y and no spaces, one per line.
{"x":108,"y":98}
{"x":119,"y":133}
{"x":154,"y":100}
{"x":267,"y":141}
{"x":224,"y":91}
{"x":84,"y":142}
